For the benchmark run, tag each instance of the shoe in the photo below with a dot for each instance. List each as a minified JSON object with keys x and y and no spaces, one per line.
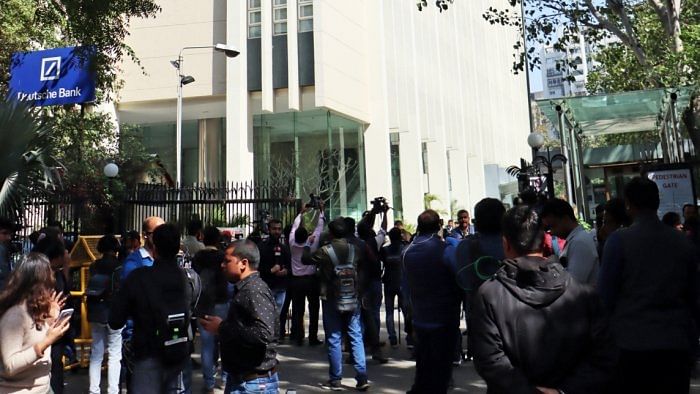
{"x":380,"y":358}
{"x":457,"y":362}
{"x":362,"y":386}
{"x":394,"y":343}
{"x":315,"y":342}
{"x":333,"y":385}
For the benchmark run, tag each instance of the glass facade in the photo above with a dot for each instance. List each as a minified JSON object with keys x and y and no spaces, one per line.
{"x":396,"y":201}
{"x":203,"y":148}
{"x":313,"y":152}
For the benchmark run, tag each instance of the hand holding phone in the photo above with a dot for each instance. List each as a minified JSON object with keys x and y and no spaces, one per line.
{"x":65,"y":314}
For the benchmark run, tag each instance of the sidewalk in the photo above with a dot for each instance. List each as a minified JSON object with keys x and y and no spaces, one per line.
{"x":302,"y":368}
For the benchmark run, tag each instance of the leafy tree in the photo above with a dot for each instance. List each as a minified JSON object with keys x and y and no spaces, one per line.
{"x":655,"y":44}
{"x":34,"y":24}
{"x":80,"y":138}
{"x":25,"y":149}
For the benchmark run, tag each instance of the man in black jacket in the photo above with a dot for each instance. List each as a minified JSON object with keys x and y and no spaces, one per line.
{"x":154,"y":297}
{"x":249,"y":333}
{"x":535,"y":329}
{"x":213,"y":301}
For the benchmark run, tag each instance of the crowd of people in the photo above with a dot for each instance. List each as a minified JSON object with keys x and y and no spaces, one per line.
{"x":549,"y":306}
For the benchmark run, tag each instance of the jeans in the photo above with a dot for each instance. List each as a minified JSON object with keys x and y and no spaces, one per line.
{"x":150,"y":376}
{"x":390,"y":294}
{"x":264,"y":385}
{"x":210,"y":342}
{"x":279,"y":295}
{"x":334,"y":323}
{"x":303,"y":288}
{"x":434,"y":350}
{"x":104,"y":337}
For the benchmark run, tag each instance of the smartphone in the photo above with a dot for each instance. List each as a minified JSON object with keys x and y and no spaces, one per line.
{"x":65,"y":314}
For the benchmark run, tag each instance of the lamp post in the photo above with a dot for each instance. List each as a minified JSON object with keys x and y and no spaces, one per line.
{"x":183,"y":80}
{"x":536,"y":141}
{"x":111,"y":170}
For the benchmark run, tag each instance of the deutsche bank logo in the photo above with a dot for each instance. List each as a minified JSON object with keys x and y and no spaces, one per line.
{"x":50,"y":68}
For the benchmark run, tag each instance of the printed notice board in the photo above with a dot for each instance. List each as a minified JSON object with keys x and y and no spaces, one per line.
{"x":676,"y":188}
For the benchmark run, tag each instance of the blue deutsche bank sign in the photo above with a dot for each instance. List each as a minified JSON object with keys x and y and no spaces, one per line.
{"x":53,"y":77}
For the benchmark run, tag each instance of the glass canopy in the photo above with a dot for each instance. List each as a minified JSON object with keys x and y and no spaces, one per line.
{"x":626,"y":112}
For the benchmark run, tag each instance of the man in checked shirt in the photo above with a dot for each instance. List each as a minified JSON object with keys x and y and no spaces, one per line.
{"x":249,"y":334}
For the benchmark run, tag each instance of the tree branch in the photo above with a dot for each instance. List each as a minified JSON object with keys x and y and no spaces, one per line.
{"x":662,"y":13}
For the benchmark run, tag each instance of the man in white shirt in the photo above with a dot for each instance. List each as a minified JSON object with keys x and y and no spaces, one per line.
{"x":303,"y":284}
{"x":580,"y":255}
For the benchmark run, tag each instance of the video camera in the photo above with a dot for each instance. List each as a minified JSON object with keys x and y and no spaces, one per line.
{"x":379,"y":205}
{"x":314,"y":201}
{"x":263,"y":218}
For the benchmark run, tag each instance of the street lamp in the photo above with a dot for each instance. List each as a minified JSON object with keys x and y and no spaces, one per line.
{"x":183,"y":80}
{"x":536,"y":141}
{"x":111,"y":170}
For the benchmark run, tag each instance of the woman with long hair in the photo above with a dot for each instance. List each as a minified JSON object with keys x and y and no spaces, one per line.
{"x":29,"y":325}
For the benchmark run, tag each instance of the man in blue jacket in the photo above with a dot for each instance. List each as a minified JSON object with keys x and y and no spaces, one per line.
{"x":436,"y":299}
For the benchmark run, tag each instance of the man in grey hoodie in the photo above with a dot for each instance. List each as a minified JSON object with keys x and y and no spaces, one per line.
{"x":535,"y":329}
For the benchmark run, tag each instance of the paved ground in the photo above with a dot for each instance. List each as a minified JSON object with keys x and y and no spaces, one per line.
{"x":303,"y":368}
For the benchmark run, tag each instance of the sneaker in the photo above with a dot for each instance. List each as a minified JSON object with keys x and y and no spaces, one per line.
{"x":315,"y":342}
{"x":362,"y":386}
{"x":332,"y":385}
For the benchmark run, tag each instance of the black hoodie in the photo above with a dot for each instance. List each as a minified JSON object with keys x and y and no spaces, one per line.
{"x":532,"y":325}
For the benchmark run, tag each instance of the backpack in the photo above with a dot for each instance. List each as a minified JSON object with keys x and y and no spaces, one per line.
{"x":99,"y":291}
{"x":478,"y":268}
{"x":344,"y":279}
{"x":171,"y":317}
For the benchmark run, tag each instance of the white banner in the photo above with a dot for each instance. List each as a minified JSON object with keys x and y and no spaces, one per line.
{"x":675,"y":189}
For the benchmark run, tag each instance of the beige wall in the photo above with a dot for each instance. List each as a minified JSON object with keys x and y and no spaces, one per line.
{"x":157,"y":41}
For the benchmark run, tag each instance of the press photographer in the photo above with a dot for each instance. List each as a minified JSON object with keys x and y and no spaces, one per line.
{"x":370,"y":273}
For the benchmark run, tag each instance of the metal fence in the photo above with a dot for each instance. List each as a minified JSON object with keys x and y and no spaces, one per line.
{"x":237,"y":205}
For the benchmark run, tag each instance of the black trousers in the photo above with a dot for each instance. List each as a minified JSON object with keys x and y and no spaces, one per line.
{"x":304,"y":288}
{"x":57,"y":367}
{"x":653,"y":372}
{"x":434,"y":350}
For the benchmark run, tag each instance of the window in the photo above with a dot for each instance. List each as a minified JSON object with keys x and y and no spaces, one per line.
{"x":279,"y":17}
{"x":306,"y":15}
{"x":254,"y":18}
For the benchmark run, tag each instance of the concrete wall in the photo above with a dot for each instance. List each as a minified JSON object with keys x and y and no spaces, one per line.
{"x":157,"y":41}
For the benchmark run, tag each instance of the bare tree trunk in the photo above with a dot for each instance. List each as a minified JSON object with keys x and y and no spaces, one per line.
{"x":674,"y":22}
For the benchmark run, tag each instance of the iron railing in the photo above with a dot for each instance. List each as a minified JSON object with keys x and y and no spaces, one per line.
{"x":241,"y":205}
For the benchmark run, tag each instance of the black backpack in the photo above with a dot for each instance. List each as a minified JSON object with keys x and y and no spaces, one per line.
{"x":100,"y":289}
{"x":344,"y":279}
{"x":171,"y":318}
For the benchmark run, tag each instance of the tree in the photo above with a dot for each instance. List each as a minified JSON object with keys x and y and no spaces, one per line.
{"x":655,"y":44}
{"x":25,"y":149}
{"x":32,"y":24}
{"x":80,"y":138}
{"x":559,"y":22}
